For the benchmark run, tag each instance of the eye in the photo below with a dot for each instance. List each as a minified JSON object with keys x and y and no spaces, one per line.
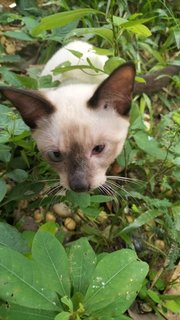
{"x":98,"y":149}
{"x":55,"y":156}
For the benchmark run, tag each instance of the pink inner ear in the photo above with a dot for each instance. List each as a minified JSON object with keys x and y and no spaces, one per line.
{"x":116,"y":90}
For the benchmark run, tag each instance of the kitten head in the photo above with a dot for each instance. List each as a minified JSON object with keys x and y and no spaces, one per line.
{"x":79,"y":128}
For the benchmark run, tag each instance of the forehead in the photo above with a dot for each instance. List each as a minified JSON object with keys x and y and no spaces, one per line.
{"x":74,"y":123}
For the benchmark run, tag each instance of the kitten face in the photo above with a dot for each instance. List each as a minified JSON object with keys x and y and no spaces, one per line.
{"x":79,"y":128}
{"x":87,"y":140}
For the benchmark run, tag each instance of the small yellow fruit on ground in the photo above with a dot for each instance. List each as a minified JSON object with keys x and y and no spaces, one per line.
{"x":102,"y":217}
{"x":70,"y":224}
{"x":62,"y":210}
{"x":50,"y":216}
{"x":38,"y":215}
{"x":160,"y":244}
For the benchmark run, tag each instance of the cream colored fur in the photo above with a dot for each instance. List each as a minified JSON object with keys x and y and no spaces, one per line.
{"x":73,"y":121}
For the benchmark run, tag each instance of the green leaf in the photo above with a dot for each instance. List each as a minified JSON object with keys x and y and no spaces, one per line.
{"x":21,"y":282}
{"x":18,"y":312}
{"x":115,"y":283}
{"x":100,"y":199}
{"x":18,"y":175}
{"x":5,"y":154}
{"x":9,"y":58}
{"x":63,"y":316}
{"x":25,"y":190}
{"x":67,"y":302}
{"x":102,"y":32}
{"x":172,"y":305}
{"x":112,"y":63}
{"x":61,"y":19}
{"x":50,"y":255}
{"x":79,"y":199}
{"x":149,"y":145}
{"x":154,"y":296}
{"x":4,"y":137}
{"x":82,"y":261}
{"x":141,"y":220}
{"x":9,"y":77}
{"x":19,"y":34}
{"x":50,"y":227}
{"x":3,"y":189}
{"x":139,"y":29}
{"x":176,"y":117}
{"x":12,"y":238}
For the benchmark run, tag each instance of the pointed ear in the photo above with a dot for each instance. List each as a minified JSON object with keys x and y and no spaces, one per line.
{"x":31,"y":104}
{"x":116,"y":90}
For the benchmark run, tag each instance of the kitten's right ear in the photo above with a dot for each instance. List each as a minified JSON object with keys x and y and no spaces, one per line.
{"x":31,"y":104}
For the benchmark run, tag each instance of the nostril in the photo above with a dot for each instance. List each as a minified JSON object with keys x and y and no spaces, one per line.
{"x":78,"y":185}
{"x":80,"y":188}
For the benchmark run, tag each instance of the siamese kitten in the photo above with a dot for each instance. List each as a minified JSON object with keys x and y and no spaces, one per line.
{"x":81,"y":126}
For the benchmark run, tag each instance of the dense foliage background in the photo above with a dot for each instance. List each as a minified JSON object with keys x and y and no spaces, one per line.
{"x":143,"y":213}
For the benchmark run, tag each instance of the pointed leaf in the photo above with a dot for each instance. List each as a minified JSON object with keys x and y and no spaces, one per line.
{"x":82,"y":261}
{"x":52,"y":259}
{"x":141,"y":220}
{"x":61,"y":19}
{"x":11,"y":237}
{"x":21,"y":282}
{"x":104,"y":33}
{"x":115,"y":283}
{"x":63,"y":316}
{"x":3,"y":189}
{"x":17,"y":312}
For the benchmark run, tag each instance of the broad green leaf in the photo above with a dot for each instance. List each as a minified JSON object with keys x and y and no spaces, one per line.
{"x":82,"y":261}
{"x":50,"y":255}
{"x":92,"y":212}
{"x":141,"y":220}
{"x":9,"y":58}
{"x":61,"y":19}
{"x":100,"y":199}
{"x":3,"y":189}
{"x":25,"y":190}
{"x":104,"y":33}
{"x":5,"y":154}
{"x":21,"y":282}
{"x":67,"y":302}
{"x":149,"y":145}
{"x":18,"y":312}
{"x":139,"y":29}
{"x":19,"y":34}
{"x":177,"y":37}
{"x":176,"y":213}
{"x":112,"y":63}
{"x":63,"y":316}
{"x":50,"y":227}
{"x":12,"y":238}
{"x":172,"y":305}
{"x":154,"y":296}
{"x":79,"y":199}
{"x":152,"y":202}
{"x":17,"y":126}
{"x":18,"y":175}
{"x":115,"y":283}
{"x":9,"y":77}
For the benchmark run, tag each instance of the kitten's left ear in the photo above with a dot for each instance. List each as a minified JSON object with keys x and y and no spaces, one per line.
{"x":32,"y":105}
{"x":116,"y":90}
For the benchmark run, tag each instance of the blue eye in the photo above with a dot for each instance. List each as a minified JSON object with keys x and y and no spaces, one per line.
{"x":55,"y":156}
{"x":98,"y":149}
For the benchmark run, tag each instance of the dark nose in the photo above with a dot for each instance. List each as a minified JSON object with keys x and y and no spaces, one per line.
{"x":78,"y":183}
